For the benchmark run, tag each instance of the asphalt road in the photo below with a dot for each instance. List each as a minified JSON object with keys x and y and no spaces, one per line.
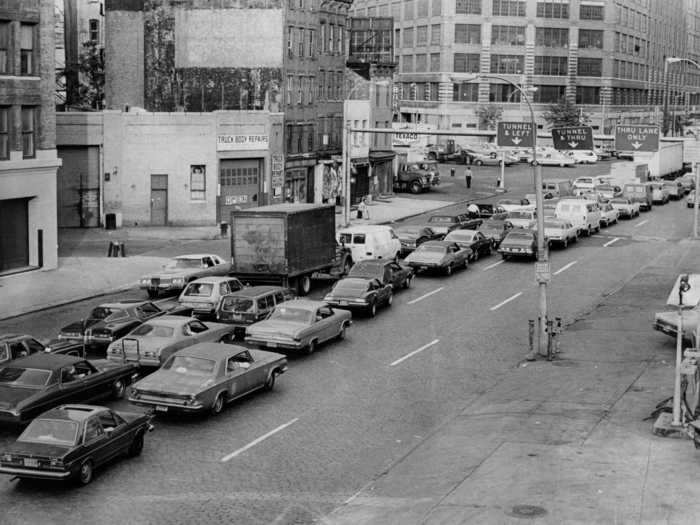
{"x":342,"y":416}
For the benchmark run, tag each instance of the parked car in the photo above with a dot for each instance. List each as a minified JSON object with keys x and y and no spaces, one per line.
{"x":205,"y":377}
{"x":582,"y":156}
{"x":387,"y":272}
{"x":110,"y":321}
{"x":412,"y":236}
{"x":488,"y":210}
{"x":489,"y":158}
{"x":560,"y":232}
{"x":370,"y":242}
{"x":300,"y":325}
{"x":525,"y":218}
{"x":444,"y":223}
{"x":71,"y":441}
{"x":16,"y":346}
{"x":602,"y":153}
{"x":625,"y":207}
{"x":416,"y":177}
{"x":495,"y":230}
{"x":515,"y":204}
{"x":519,"y":243}
{"x":440,"y":256}
{"x":588,"y":183}
{"x":608,"y":214}
{"x":33,"y":384}
{"x":249,"y":305}
{"x":688,"y":181}
{"x":203,"y":295}
{"x":554,"y":158}
{"x":675,"y":189}
{"x":181,"y":270}
{"x":356,"y":293}
{"x":659,"y":194}
{"x":152,"y":343}
{"x":479,"y":244}
{"x":690,"y":200}
{"x":639,"y":193}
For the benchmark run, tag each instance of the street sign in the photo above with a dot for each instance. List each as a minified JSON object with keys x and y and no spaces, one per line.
{"x":515,"y":135}
{"x":637,"y":138}
{"x":578,"y":137}
{"x":543,"y":272}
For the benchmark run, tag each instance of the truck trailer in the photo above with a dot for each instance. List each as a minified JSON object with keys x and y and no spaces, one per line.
{"x":666,"y":163}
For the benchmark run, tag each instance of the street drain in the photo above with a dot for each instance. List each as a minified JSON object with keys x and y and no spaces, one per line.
{"x":527,"y":511}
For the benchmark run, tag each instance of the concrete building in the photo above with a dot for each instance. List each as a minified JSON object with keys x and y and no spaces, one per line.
{"x":606,"y":56}
{"x":28,"y":160}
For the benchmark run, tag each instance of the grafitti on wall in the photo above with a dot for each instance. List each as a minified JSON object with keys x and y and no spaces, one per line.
{"x":331,"y":186}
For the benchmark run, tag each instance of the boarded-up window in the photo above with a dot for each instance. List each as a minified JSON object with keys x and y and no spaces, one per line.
{"x":198,"y":182}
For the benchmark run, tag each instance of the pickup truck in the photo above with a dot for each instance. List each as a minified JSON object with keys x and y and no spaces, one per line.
{"x":487,"y":210}
{"x":417,"y":177}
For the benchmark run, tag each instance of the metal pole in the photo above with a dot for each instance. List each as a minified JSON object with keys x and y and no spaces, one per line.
{"x":696,"y":201}
{"x":542,"y":256}
{"x":503,"y":171}
{"x":664,"y":127}
{"x":677,"y":379}
{"x":346,"y":169}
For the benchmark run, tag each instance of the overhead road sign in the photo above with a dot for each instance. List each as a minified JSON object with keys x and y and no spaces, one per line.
{"x":574,"y":137}
{"x":637,"y":137}
{"x":515,"y":135}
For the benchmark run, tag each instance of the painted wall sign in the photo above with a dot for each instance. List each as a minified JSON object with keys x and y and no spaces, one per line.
{"x":242,"y":142}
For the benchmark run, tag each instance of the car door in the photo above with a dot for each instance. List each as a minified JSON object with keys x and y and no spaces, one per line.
{"x":253,"y":375}
{"x":116,"y":430}
{"x":200,"y":332}
{"x":325,"y":323}
{"x":92,"y":384}
{"x":96,"y":441}
{"x":237,"y":381}
{"x":397,"y":275}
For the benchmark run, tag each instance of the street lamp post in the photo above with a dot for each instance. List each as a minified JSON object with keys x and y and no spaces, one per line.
{"x":667,"y":61}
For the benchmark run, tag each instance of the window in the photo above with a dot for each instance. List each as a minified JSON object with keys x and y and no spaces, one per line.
{"x":437,"y":7}
{"x":323,"y":41}
{"x":553,"y":8}
{"x":587,"y":95}
{"x":408,"y":11}
{"x":551,"y":65}
{"x":407,"y":62}
{"x":548,"y":94}
{"x":94,"y":29}
{"x":4,"y":46}
{"x":508,"y":8}
{"x":4,"y":132}
{"x":435,"y":62}
{"x":321,"y":85}
{"x":591,"y":12}
{"x":552,"y":37}
{"x":28,"y":117}
{"x":466,"y":62}
{"x":468,"y":7}
{"x":93,"y":430}
{"x":590,"y":67}
{"x":503,"y":93}
{"x":26,"y":49}
{"x":465,"y":92}
{"x":590,"y":38}
{"x":435,"y":35}
{"x":509,"y":64}
{"x":467,"y":34}
{"x":422,"y":35}
{"x":408,"y":37}
{"x":331,"y":38}
{"x":421,"y":63}
{"x":423,"y":6}
{"x":508,"y":35}
{"x":198,"y":186}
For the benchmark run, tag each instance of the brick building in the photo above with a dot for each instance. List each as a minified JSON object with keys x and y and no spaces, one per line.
{"x":28,"y":160}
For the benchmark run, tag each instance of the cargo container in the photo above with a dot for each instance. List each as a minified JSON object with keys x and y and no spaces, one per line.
{"x":666,"y":163}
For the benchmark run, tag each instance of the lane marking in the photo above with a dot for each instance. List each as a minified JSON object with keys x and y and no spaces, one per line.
{"x":411,"y":354}
{"x":564,"y":268}
{"x":502,"y":303}
{"x":493,"y":265}
{"x":426,"y":295}
{"x":611,"y":242}
{"x":641,"y":223}
{"x":258,"y":440}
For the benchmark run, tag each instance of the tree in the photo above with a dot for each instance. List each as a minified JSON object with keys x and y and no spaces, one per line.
{"x":564,"y":113}
{"x":91,"y":66}
{"x":489,"y":116}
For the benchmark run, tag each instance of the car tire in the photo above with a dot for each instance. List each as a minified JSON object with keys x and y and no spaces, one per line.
{"x":372,"y":310}
{"x":217,"y":406}
{"x":565,"y":244}
{"x":304,"y":285}
{"x":479,"y":162}
{"x":408,"y":282}
{"x":136,"y":445}
{"x":416,"y":188}
{"x":118,"y":389}
{"x":504,"y":256}
{"x":475,"y":257}
{"x":85,"y":473}
{"x":488,"y":249}
{"x":448,"y":270}
{"x":390,"y":299}
{"x":152,"y":294}
{"x":341,"y":334}
{"x":270,"y":383}
{"x":311,"y":347}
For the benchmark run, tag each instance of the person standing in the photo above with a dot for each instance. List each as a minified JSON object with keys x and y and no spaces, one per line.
{"x":468,"y":176}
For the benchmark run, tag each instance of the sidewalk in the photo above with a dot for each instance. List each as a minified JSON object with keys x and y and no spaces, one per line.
{"x":560,"y":442}
{"x":85,"y":271}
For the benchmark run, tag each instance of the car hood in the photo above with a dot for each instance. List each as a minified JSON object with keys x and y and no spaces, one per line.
{"x":425,"y":257}
{"x":168,"y":381}
{"x":77,"y":326}
{"x":273,"y":326}
{"x":38,"y":449}
{"x":12,"y":397}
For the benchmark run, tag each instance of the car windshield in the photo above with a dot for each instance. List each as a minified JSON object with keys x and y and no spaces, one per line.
{"x":519,"y":215}
{"x":461,"y":236}
{"x":24,"y":377}
{"x":366,"y":269}
{"x":237,"y":304}
{"x":153,"y":330}
{"x":199,"y":289}
{"x":103,"y":312}
{"x":442,"y":219}
{"x":296,"y":315}
{"x":177,"y":264}
{"x":196,"y":366}
{"x":51,"y":431}
{"x":431,"y":248}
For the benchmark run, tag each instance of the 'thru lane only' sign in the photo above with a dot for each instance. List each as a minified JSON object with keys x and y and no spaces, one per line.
{"x":637,"y":138}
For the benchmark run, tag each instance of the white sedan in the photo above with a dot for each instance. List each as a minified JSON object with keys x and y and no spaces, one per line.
{"x":553,"y":158}
{"x":560,"y":231}
{"x":608,"y":214}
{"x":625,"y":207}
{"x":583,"y":156}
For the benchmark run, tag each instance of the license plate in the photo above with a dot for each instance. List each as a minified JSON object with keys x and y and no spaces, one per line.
{"x":160,"y":408}
{"x":272,"y":344}
{"x":31,"y":462}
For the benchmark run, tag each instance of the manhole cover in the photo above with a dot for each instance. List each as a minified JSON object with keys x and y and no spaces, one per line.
{"x":527,"y":511}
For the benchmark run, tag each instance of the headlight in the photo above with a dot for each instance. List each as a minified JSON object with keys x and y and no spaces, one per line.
{"x":178,"y":280}
{"x":135,"y":393}
{"x":7,"y":457}
{"x":56,"y":462}
{"x":145,"y":281}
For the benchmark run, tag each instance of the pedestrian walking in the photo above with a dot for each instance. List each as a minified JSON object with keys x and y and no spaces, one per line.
{"x":362,"y":212}
{"x":468,"y":176}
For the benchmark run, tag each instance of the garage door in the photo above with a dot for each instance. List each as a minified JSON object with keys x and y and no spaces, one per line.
{"x":14,"y":234}
{"x":239,"y":181}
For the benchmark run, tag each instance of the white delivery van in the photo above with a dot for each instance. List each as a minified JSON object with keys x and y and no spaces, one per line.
{"x":582,"y":213}
{"x":370,"y":242}
{"x":557,"y":187}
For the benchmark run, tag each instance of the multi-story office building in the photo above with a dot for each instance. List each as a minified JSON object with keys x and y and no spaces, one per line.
{"x":28,"y":160}
{"x":607,"y":56}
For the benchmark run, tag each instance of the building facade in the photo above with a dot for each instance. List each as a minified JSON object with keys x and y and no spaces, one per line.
{"x":28,"y":161}
{"x":606,"y":56}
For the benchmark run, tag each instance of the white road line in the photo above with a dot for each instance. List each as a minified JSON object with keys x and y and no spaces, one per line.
{"x":493,"y":265}
{"x":564,"y":268}
{"x":512,"y":297}
{"x":426,"y":295}
{"x":431,"y":343}
{"x":641,"y":223}
{"x":611,"y":242}
{"x":258,"y":440}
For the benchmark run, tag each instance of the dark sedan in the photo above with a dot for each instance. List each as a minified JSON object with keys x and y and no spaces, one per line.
{"x":386,"y":271}
{"x":439,"y":255}
{"x":70,"y":441}
{"x":30,"y":385}
{"x":16,"y":346}
{"x":413,"y":236}
{"x":354,"y":293}
{"x":495,"y":230}
{"x":519,"y":243}
{"x":479,"y":245}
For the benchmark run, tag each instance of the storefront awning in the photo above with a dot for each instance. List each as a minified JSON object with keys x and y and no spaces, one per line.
{"x":380,"y":155}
